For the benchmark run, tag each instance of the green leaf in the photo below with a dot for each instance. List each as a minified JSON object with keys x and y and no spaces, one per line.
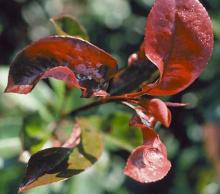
{"x":55,"y":164}
{"x":64,"y":99}
{"x":38,"y":100}
{"x":67,"y":25}
{"x":120,"y":134}
{"x":34,"y":133}
{"x":9,"y":131}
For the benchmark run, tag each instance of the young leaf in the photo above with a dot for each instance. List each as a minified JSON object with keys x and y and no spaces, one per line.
{"x":179,"y":41}
{"x":158,"y":109}
{"x":77,"y":62}
{"x":149,"y":112}
{"x":148,"y":163}
{"x":67,"y":25}
{"x":55,"y":164}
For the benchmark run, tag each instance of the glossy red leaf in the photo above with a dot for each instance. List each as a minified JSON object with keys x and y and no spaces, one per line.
{"x":77,"y":62}
{"x":148,"y":163}
{"x":159,"y":110}
{"x":179,"y":41}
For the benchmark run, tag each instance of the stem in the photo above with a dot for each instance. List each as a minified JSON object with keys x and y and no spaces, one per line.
{"x":109,"y":99}
{"x":84,"y":108}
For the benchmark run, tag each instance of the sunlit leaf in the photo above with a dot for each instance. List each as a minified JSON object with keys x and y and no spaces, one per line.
{"x":55,"y":164}
{"x":73,"y":60}
{"x":179,"y":41}
{"x":67,"y":25}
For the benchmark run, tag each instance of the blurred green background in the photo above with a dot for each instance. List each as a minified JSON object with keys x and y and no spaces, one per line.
{"x":117,"y":26}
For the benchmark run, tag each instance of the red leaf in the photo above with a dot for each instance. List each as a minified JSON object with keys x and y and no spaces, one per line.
{"x":148,"y":163}
{"x":150,"y":112}
{"x":158,"y":109}
{"x":73,"y":60}
{"x":179,"y":41}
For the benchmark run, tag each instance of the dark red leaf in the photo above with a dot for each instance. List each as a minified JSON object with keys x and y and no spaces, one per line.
{"x":67,"y":58}
{"x":179,"y":41}
{"x":148,"y":163}
{"x":130,"y":78}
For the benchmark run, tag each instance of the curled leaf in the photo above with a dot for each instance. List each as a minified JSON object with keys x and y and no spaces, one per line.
{"x":179,"y":41}
{"x":148,"y":163}
{"x":149,"y":112}
{"x":67,"y":25}
{"x":158,"y":109}
{"x":55,"y":164}
{"x":77,"y":62}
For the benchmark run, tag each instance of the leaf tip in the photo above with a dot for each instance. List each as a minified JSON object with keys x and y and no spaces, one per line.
{"x":26,"y":185}
{"x":22,"y":188}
